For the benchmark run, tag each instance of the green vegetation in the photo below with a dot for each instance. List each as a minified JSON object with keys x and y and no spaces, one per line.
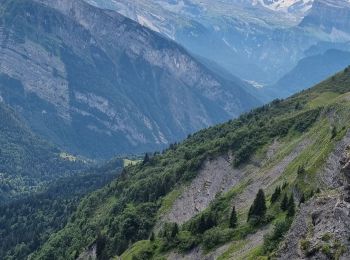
{"x":25,"y":224}
{"x":27,"y":163}
{"x":257,"y":211}
{"x":233,"y":218}
{"x":125,"y":211}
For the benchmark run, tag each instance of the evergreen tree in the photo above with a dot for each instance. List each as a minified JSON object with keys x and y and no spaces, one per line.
{"x":311,"y":194}
{"x":285,"y":185}
{"x":302,"y":199}
{"x":276,"y":194}
{"x":233,"y":218}
{"x":291,"y":206}
{"x":258,"y":209}
{"x":284,"y":203}
{"x":301,"y":169}
{"x":334,"y":132}
{"x":152,"y":237}
{"x":174,"y":230}
{"x":201,"y":224}
{"x":123,"y":174}
{"x":146,"y":158}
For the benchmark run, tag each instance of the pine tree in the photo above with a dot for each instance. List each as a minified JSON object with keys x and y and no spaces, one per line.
{"x":233,"y":218}
{"x":284,"y":203}
{"x":276,"y":194}
{"x":258,"y":209}
{"x":291,"y":206}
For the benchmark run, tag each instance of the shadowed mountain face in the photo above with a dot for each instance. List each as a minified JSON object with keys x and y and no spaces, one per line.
{"x":98,"y":83}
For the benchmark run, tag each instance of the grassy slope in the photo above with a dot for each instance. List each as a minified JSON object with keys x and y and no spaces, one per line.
{"x":126,"y":210}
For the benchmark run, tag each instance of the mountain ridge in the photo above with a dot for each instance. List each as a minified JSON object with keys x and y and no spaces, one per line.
{"x":83,"y":81}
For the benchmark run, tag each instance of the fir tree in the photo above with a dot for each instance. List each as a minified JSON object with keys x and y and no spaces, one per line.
{"x":258,"y":209}
{"x":233,"y":218}
{"x":284,"y":203}
{"x":276,"y":194}
{"x":291,"y":206}
{"x":174,"y":230}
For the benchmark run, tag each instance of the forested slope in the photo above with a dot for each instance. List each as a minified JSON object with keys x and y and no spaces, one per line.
{"x":26,"y":161}
{"x":277,"y":155}
{"x":25,"y":224}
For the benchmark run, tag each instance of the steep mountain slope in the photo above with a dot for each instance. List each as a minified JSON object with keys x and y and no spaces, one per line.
{"x":290,"y":148}
{"x":311,"y":70}
{"x":27,"y":162}
{"x":242,"y":36}
{"x":98,"y":83}
{"x":330,"y":17}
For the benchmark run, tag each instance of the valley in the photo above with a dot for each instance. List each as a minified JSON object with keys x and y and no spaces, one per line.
{"x":174,"y":129}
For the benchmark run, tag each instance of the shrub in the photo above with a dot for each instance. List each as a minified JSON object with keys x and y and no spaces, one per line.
{"x":186,"y":241}
{"x":305,"y":245}
{"x":216,"y":236}
{"x":272,"y":240}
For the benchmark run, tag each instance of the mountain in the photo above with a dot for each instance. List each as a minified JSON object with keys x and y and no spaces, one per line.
{"x":98,"y":84}
{"x":263,"y":36}
{"x":311,"y":70}
{"x":331,"y":17}
{"x":27,"y":162}
{"x":293,"y":6}
{"x":272,"y":183}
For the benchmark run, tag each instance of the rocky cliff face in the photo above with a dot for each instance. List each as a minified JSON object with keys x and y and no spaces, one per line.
{"x":321,"y":229}
{"x":98,"y":83}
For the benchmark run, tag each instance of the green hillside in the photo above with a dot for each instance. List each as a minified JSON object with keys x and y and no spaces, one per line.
{"x":279,"y":148}
{"x":26,"y":223}
{"x":27,"y":162}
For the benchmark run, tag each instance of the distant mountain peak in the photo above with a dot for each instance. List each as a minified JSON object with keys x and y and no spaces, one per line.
{"x":293,"y":6}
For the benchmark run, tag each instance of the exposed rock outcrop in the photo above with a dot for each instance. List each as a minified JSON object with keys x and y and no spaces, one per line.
{"x":214,"y":177}
{"x":321,"y":229}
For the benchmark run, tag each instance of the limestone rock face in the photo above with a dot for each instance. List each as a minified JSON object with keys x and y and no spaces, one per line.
{"x":322,"y":226}
{"x":345,"y":162}
{"x":97,"y":83}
